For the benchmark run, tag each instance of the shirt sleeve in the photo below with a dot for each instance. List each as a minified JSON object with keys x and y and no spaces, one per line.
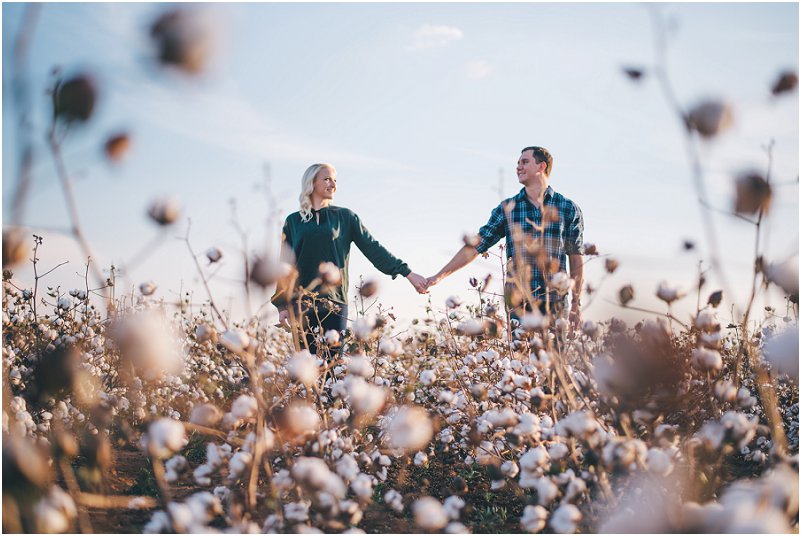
{"x":282,"y":292}
{"x":575,"y":232}
{"x":383,"y":260}
{"x":493,"y":230}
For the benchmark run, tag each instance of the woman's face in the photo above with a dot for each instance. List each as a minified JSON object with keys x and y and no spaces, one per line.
{"x":325,"y":183}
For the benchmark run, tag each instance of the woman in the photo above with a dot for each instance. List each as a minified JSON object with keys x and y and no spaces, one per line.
{"x":320,"y":236}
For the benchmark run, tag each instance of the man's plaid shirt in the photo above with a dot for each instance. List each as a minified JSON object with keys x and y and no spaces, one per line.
{"x":542,"y":247}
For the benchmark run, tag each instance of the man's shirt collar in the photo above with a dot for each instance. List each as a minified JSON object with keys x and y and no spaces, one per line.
{"x":521,"y":196}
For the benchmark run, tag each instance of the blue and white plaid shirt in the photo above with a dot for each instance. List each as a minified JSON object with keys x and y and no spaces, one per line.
{"x":543,"y":248}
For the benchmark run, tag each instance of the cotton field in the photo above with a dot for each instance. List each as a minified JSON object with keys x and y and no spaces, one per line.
{"x":461,"y":424}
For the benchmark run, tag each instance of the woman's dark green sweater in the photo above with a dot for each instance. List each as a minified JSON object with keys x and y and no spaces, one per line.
{"x":329,"y":240}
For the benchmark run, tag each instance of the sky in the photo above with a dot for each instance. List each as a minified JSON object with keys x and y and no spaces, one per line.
{"x":423,"y":109}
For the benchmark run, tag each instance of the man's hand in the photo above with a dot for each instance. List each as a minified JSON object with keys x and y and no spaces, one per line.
{"x":419,"y":282}
{"x":433,"y":280}
{"x":575,"y":315}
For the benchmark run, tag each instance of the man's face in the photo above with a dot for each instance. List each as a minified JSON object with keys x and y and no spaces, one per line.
{"x":325,"y":183}
{"x":528,"y":167}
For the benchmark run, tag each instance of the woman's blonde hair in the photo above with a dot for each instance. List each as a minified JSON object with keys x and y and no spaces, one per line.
{"x":306,"y":189}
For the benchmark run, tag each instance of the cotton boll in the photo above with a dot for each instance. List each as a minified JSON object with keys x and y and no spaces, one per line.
{"x":784,"y":274}
{"x":429,"y":514}
{"x":562,"y":283}
{"x":546,"y":490}
{"x":238,"y":464}
{"x":300,"y":419}
{"x":55,"y":512}
{"x":164,"y":437}
{"x":453,"y":506}
{"x":174,"y":467}
{"x":362,"y":486}
{"x":340,"y":416}
{"x":409,"y":428}
{"x":315,"y":474}
{"x":534,"y":518}
{"x":206,"y":333}
{"x":704,"y":359}
{"x":658,"y":462}
{"x":394,"y":500}
{"x":590,"y":329}
{"x":707,"y":320}
{"x":303,"y":368}
{"x":534,"y":458}
{"x":453,"y":302}
{"x":363,"y":327}
{"x":534,"y":321}
{"x":390,"y":347}
{"x":456,"y":528}
{"x":360,"y":365}
{"x":782,"y":352}
{"x":331,"y":337}
{"x":213,"y":254}
{"x":298,"y":511}
{"x":364,"y":398}
{"x":428,"y":377}
{"x":207,"y":415}
{"x":669,"y":293}
{"x":235,"y":340}
{"x":267,"y":369}
{"x":557,"y":451}
{"x":147,"y":288}
{"x":244,"y":407}
{"x":565,"y":519}
{"x":147,"y":342}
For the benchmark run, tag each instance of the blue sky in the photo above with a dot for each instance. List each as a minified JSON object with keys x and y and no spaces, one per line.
{"x":423,"y":109}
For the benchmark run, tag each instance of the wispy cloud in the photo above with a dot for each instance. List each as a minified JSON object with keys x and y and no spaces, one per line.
{"x":478,"y":69}
{"x":432,"y":36}
{"x":230,"y":122}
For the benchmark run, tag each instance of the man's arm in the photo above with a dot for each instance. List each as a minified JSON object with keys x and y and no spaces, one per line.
{"x":462,"y":258}
{"x":576,"y":264}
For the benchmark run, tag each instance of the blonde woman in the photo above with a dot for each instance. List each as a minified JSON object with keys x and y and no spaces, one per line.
{"x":321,"y":233}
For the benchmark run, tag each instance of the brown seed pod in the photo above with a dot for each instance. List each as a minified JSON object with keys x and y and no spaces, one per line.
{"x":182,"y":40}
{"x":368,"y":289}
{"x":626,"y":294}
{"x":715,"y":298}
{"x":710,"y":118}
{"x":611,"y":265}
{"x":634,"y":73}
{"x":74,"y":100}
{"x":459,"y":485}
{"x":56,"y":372}
{"x":753,"y":194}
{"x":117,"y":146}
{"x":786,"y":82}
{"x":14,"y":249}
{"x":164,"y":211}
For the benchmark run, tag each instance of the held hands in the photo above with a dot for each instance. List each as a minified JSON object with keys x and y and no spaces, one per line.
{"x":283,"y":317}
{"x":431,"y":281}
{"x":419,"y":282}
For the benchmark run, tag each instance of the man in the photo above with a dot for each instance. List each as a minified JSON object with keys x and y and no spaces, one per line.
{"x":544,"y":233}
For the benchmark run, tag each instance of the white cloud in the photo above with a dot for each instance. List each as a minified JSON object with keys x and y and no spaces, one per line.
{"x":478,"y":69}
{"x":432,"y":36}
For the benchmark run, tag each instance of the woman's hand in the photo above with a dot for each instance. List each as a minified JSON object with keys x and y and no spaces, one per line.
{"x":419,"y":282}
{"x":283,"y":317}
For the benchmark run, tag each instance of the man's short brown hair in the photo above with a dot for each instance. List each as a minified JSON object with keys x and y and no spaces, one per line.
{"x":541,"y":155}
